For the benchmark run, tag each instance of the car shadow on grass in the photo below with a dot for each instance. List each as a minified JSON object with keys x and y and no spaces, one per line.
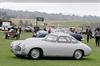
{"x":49,"y":58}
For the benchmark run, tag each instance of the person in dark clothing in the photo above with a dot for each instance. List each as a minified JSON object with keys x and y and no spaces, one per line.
{"x":49,"y":31}
{"x":45,"y":29}
{"x":20,"y":29}
{"x":89,"y":33}
{"x":36,"y":28}
{"x":97,"y":36}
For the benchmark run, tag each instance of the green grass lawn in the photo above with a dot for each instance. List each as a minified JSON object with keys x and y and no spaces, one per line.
{"x":8,"y":59}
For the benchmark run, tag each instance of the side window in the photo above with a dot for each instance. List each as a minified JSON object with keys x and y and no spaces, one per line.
{"x":73,"y":40}
{"x":51,"y":38}
{"x":68,"y":39}
{"x":62,"y":40}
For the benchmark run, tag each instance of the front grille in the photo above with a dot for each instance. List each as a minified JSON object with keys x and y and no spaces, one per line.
{"x":18,"y":48}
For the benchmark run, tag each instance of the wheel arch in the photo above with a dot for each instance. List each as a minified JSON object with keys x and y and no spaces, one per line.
{"x":80,"y":50}
{"x":40,"y":49}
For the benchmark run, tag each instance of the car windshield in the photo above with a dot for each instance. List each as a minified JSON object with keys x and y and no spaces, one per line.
{"x":51,"y":38}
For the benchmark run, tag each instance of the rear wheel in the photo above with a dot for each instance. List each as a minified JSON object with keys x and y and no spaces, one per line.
{"x":78,"y":54}
{"x":35,"y":54}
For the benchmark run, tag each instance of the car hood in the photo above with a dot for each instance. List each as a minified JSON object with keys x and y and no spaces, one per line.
{"x":18,"y":42}
{"x":29,"y":41}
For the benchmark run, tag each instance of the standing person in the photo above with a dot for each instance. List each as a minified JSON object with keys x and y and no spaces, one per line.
{"x":36,"y":28}
{"x":49,"y":30}
{"x":89,"y":33}
{"x":97,"y":36}
{"x":20,"y":29}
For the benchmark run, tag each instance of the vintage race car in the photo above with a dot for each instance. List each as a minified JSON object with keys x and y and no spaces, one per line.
{"x":54,"y":44}
{"x":41,"y":33}
{"x":12,"y":34}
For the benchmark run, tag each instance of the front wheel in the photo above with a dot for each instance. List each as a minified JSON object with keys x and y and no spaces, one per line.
{"x":78,"y":54}
{"x":35,"y":54}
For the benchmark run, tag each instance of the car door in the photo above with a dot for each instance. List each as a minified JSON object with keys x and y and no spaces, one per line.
{"x":64,"y":46}
{"x":67,"y":45}
{"x":50,"y":45}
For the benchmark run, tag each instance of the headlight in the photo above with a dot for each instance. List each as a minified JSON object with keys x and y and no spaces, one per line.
{"x":23,"y":47}
{"x":18,"y":48}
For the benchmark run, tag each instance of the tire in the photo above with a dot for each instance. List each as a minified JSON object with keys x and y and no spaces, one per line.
{"x":78,"y":54}
{"x":35,"y":54}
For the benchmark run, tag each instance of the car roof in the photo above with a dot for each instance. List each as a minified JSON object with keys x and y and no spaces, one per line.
{"x":60,"y":34}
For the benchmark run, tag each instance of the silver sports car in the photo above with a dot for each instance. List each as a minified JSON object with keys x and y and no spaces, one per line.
{"x":55,"y":44}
